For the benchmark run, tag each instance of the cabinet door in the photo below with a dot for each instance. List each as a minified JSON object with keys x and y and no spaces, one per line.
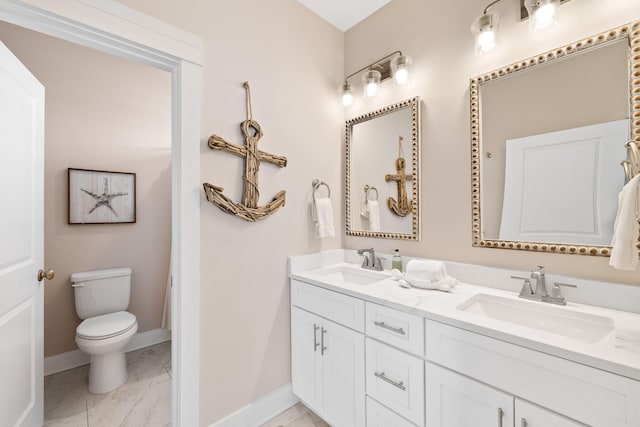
{"x":343,"y":375}
{"x":306,"y":362}
{"x":529,"y":415}
{"x":453,"y":400}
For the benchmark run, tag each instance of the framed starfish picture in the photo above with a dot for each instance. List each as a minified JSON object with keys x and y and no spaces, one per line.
{"x":101,"y":197}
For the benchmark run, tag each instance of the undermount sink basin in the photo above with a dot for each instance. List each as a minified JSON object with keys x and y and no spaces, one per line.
{"x":585,"y":327}
{"x":348,"y":274}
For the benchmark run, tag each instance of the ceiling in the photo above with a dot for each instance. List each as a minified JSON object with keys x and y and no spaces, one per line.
{"x":344,"y":14}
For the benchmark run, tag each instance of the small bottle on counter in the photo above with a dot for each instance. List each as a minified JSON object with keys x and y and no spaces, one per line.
{"x":396,"y":261}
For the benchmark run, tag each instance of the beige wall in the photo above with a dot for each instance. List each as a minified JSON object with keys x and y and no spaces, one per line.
{"x":102,"y":113}
{"x":437,"y":36}
{"x":294,"y":63}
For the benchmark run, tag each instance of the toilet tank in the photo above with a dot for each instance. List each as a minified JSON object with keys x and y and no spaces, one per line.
{"x":101,"y":291}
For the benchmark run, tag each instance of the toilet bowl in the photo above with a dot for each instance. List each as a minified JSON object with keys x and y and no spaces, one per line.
{"x":101,"y":298}
{"x":104,"y":339}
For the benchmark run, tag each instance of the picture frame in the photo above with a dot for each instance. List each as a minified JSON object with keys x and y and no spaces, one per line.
{"x":101,"y":197}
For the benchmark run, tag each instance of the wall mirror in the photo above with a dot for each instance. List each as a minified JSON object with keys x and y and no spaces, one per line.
{"x":382,"y":174}
{"x":548,"y":135}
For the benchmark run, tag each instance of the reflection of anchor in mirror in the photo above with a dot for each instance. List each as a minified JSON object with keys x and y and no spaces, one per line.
{"x":402,"y":207}
{"x":248,"y":209}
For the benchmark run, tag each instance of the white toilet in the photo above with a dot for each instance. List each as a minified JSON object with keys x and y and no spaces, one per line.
{"x":102,"y":296}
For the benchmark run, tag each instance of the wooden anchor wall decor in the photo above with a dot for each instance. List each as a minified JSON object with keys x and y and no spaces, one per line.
{"x":402,"y":207}
{"x":248,"y":209}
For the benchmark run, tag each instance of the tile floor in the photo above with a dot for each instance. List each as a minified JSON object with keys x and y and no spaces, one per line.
{"x":143,"y":401}
{"x":296,"y":416}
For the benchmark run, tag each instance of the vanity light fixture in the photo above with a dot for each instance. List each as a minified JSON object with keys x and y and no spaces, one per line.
{"x":394,"y":65}
{"x":542,"y":14}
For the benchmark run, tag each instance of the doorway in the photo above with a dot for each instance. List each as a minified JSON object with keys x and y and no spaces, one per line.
{"x":112,"y":28}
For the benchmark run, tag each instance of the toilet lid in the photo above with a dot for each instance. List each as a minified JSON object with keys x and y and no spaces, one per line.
{"x":106,"y":326}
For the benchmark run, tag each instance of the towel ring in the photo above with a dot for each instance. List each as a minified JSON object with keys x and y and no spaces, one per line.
{"x":368,"y":189}
{"x":316,"y":183}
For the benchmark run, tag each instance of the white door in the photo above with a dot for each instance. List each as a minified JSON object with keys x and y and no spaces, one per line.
{"x":21,"y":243}
{"x":343,"y":375}
{"x":306,"y":362}
{"x":454,"y":400}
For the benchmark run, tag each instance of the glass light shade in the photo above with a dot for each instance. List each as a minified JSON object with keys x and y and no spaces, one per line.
{"x":542,"y":13}
{"x":347,"y":96}
{"x":400,"y":69}
{"x":370,"y":82}
{"x":485,"y":32}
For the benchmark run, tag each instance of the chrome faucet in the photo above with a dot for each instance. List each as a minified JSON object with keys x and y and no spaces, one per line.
{"x":538,"y":291}
{"x":370,"y":262}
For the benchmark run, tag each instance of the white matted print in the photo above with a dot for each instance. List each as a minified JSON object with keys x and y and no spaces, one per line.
{"x":101,"y":197}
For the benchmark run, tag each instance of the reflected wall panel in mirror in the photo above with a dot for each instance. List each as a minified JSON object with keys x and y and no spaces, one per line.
{"x":382,"y":172}
{"x":547,"y":137}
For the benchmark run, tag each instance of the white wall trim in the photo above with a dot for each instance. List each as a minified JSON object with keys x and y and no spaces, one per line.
{"x":113,"y":28}
{"x":262,"y":410}
{"x":73,"y":359}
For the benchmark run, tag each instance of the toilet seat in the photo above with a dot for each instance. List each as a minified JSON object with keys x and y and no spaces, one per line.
{"x":106,"y":326}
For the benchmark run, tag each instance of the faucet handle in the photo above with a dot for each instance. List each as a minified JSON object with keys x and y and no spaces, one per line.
{"x":556,"y":292}
{"x":526,"y":286}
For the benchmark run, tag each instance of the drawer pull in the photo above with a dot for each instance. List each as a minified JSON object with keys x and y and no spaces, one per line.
{"x":390,"y":328}
{"x":315,"y":337}
{"x":383,"y":377}
{"x":523,"y":422}
{"x":500,"y":416}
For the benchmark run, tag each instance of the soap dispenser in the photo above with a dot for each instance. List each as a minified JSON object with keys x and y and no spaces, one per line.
{"x":396,"y":261}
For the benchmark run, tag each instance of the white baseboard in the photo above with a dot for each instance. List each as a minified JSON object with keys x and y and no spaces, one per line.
{"x":73,"y":359}
{"x":262,"y":410}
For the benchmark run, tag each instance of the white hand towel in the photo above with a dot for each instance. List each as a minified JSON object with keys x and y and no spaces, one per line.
{"x":374,"y":215}
{"x":624,"y":254}
{"x":324,"y":218}
{"x":426,"y":269}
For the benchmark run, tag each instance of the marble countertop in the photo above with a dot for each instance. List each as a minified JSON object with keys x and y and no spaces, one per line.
{"x":619,"y":353}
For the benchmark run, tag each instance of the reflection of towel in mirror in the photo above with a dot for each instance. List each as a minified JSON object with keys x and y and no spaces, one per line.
{"x":624,"y":254}
{"x":364,"y":207}
{"x":374,"y":215}
{"x":324,"y":218}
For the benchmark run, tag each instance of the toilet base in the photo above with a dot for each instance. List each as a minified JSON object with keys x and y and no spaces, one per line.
{"x":107,"y":372}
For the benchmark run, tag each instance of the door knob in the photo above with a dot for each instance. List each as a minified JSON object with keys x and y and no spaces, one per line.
{"x":50,"y":274}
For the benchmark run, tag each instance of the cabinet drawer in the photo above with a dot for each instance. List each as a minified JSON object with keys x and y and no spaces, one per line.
{"x":342,"y":309}
{"x":528,"y":415}
{"x":395,"y":379}
{"x":379,"y":416}
{"x":586,"y":394}
{"x":394,"y":327}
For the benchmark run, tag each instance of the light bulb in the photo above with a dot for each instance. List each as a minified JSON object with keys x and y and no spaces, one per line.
{"x":370,"y":81}
{"x":400,"y":69}
{"x":486,"y":40}
{"x":544,"y":16}
{"x":347,"y":99}
{"x":542,"y":13}
{"x":402,"y":76}
{"x":372,"y":89}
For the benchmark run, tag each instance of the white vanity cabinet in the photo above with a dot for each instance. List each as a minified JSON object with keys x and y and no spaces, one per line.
{"x":327,"y":359}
